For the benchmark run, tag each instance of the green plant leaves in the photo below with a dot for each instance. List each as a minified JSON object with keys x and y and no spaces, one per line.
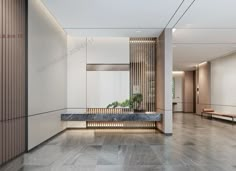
{"x":135,"y":100}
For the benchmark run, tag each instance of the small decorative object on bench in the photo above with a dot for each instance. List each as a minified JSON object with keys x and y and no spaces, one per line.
{"x":211,"y":112}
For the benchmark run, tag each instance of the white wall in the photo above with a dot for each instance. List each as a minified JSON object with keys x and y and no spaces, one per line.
{"x":46,"y":74}
{"x":223,"y":84}
{"x":105,"y":87}
{"x":96,"y":89}
{"x":164,"y":86}
{"x":108,"y":50}
{"x":179,"y":83}
{"x":76,"y":75}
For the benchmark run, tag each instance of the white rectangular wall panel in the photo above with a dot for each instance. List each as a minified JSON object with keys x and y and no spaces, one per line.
{"x":108,"y":50}
{"x":223,"y":83}
{"x":105,"y":87}
{"x":43,"y":127}
{"x":178,"y":98}
{"x":47,"y":78}
{"x":164,"y":81}
{"x":76,"y":75}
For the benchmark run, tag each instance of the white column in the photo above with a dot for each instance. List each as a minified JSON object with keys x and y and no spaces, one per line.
{"x":164,"y":81}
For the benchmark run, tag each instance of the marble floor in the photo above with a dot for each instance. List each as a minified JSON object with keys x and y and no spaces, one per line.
{"x":197,"y":144}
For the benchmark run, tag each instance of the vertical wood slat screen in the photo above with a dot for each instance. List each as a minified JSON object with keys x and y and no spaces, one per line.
{"x":12,"y":78}
{"x":143,"y":70}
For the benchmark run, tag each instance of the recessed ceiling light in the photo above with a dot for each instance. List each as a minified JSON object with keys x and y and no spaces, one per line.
{"x":138,"y":31}
{"x":173,"y":30}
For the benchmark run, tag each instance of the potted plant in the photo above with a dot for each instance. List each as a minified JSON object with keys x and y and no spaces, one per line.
{"x":137,"y":99}
{"x":133,"y":103}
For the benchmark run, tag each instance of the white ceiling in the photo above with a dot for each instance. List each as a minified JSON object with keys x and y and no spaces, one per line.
{"x":114,"y":32}
{"x":194,"y":46}
{"x":213,"y":14}
{"x":118,"y":17}
{"x":205,"y":29}
{"x":205,"y":36}
{"x":187,"y":56}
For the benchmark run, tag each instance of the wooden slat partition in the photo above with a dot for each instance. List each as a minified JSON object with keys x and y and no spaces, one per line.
{"x":108,"y":110}
{"x":142,"y":70}
{"x":124,"y":124}
{"x":1,"y":82}
{"x":12,"y":78}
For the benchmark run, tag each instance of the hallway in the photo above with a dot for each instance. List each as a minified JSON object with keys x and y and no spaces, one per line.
{"x":197,"y":144}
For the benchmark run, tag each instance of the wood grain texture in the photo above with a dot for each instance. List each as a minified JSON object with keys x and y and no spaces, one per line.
{"x":12,"y":79}
{"x":142,"y":70}
{"x":1,"y":78}
{"x":203,"y":84}
{"x":188,"y":91}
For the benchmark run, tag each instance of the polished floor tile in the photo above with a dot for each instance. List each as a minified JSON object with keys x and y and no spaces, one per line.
{"x":197,"y":144}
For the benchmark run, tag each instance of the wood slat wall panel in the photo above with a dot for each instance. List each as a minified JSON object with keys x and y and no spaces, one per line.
{"x":124,"y":124}
{"x":3,"y":78}
{"x":12,"y":78}
{"x":1,"y":83}
{"x":142,"y":70}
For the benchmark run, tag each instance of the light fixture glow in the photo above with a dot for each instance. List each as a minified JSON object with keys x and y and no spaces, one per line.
{"x":49,"y":14}
{"x":138,"y":31}
{"x":203,"y":63}
{"x":178,"y":72}
{"x":173,"y":30}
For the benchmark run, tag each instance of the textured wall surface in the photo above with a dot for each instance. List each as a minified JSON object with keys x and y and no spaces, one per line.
{"x":12,"y":78}
{"x":188,"y":91}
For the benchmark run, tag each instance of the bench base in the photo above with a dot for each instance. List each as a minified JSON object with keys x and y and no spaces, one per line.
{"x":211,"y":114}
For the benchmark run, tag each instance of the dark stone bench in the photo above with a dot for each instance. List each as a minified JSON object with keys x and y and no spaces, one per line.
{"x":111,"y":117}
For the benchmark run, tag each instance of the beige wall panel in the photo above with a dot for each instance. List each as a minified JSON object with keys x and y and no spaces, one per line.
{"x":204,"y":84}
{"x":188,"y":91}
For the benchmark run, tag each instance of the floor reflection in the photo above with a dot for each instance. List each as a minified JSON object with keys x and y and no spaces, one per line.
{"x":197,"y":144}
